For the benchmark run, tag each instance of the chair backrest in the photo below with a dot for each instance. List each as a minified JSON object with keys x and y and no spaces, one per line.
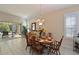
{"x":26,"y":36}
{"x":61,"y":40}
{"x":56,"y":44}
{"x":33,"y":39}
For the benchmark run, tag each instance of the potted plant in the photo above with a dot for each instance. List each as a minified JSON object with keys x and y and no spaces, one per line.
{"x":24,"y":30}
{"x":5,"y":28}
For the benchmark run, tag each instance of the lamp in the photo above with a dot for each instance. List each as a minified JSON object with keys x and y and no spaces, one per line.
{"x":40,"y":23}
{"x":40,"y":20}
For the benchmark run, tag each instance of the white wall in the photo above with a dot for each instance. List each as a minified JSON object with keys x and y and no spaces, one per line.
{"x":55,"y":21}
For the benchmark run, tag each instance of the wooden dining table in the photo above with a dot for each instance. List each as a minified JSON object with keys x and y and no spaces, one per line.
{"x":46,"y":43}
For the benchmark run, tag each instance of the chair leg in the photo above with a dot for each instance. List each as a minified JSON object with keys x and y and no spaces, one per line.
{"x":48,"y":52}
{"x":53,"y":52}
{"x":59,"y":53}
{"x":26,"y":47}
{"x":74,"y":49}
{"x":56,"y":52}
{"x":30,"y":51}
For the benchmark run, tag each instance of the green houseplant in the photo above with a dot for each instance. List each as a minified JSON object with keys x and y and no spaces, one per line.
{"x":24,"y":30}
{"x":4,"y":28}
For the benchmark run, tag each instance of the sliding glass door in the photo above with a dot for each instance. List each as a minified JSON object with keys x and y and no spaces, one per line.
{"x":70,"y":24}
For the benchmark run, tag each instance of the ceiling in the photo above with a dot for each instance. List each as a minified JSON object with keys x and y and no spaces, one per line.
{"x":27,"y":10}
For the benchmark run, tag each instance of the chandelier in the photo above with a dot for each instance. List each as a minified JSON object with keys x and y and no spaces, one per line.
{"x":40,"y":20}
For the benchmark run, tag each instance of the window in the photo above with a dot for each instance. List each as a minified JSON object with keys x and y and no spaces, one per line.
{"x":70,"y":25}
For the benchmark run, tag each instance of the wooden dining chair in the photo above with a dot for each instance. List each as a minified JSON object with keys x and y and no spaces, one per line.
{"x":28,"y":43}
{"x":36,"y":47}
{"x":26,"y":36}
{"x":55,"y":47}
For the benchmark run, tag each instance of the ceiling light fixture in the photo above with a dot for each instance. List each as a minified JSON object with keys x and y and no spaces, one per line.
{"x":40,"y":20}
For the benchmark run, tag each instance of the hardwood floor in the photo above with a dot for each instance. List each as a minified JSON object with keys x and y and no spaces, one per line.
{"x":16,"y":46}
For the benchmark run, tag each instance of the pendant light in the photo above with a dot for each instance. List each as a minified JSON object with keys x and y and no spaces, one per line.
{"x":40,"y":20}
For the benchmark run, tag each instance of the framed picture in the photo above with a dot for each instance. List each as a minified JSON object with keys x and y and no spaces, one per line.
{"x":33,"y":26}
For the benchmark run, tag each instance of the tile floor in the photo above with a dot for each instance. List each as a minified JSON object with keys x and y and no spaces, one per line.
{"x":16,"y":46}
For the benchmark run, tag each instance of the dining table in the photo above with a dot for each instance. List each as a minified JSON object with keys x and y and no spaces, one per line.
{"x":45,"y":42}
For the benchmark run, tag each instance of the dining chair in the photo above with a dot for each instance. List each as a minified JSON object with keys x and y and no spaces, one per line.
{"x":28,"y":43}
{"x":55,"y":47}
{"x":36,"y":46}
